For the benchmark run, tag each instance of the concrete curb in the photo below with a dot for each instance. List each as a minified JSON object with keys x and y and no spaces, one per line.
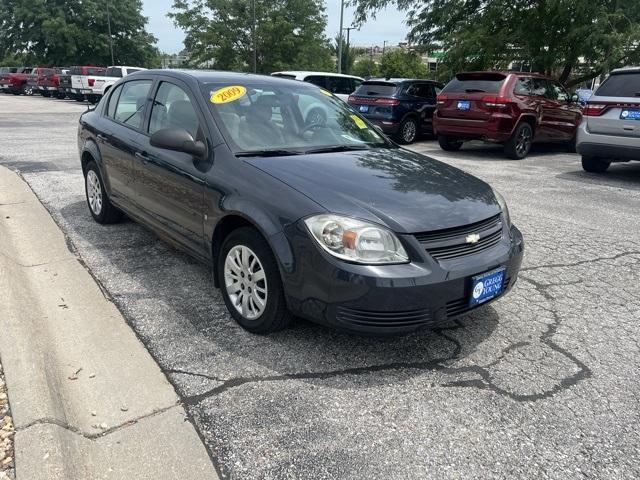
{"x":88,"y":401}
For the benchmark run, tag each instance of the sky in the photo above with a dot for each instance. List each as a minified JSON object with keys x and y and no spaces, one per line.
{"x":388,"y":26}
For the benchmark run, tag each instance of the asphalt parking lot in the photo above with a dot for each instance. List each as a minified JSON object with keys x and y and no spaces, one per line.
{"x":543,"y":383}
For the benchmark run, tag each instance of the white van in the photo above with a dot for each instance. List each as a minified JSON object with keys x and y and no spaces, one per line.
{"x":340,"y":85}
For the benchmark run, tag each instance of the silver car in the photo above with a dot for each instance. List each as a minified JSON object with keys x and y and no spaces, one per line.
{"x":610,"y":129}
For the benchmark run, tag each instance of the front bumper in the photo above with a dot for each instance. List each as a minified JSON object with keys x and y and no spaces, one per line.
{"x":390,"y":299}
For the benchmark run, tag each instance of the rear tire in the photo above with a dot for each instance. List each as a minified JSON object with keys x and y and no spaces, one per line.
{"x":519,"y":145}
{"x":250,"y":282}
{"x":102,"y":210}
{"x":594,"y":164}
{"x":449,"y":144}
{"x":408,"y":131}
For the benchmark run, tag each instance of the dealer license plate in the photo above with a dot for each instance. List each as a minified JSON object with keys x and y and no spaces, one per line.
{"x":464,"y":105}
{"x":486,"y":286}
{"x":364,"y":108}
{"x":630,"y":114}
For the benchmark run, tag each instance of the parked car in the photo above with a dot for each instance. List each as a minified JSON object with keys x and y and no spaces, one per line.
{"x":101,"y":84}
{"x":64,"y":85}
{"x":82,"y":82}
{"x":6,"y":71}
{"x":339,"y":84}
{"x":512,"y":108}
{"x":41,"y":77}
{"x":402,"y":108}
{"x":16,"y":81}
{"x":610,"y":129}
{"x":331,"y":222}
{"x":48,"y":83}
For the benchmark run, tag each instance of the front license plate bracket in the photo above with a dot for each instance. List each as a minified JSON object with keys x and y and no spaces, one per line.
{"x":486,"y":286}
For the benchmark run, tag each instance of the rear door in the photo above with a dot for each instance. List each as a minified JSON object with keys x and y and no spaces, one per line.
{"x":462,"y":97}
{"x":169,"y":184}
{"x":615,"y":107}
{"x":122,"y":138}
{"x":565,"y":115}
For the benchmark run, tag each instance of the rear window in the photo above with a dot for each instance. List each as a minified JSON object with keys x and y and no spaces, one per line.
{"x":382,"y":89}
{"x":621,"y":85}
{"x":475,"y":82}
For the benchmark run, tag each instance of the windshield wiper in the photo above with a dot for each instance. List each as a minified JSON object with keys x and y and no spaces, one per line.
{"x":337,"y":148}
{"x":267,"y":153}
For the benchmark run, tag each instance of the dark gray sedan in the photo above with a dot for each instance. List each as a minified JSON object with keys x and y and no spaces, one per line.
{"x":299,"y":205}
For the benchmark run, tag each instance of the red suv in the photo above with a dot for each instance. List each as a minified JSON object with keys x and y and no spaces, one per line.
{"x":512,"y":108}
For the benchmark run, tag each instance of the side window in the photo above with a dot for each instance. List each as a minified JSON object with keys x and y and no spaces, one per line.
{"x":524,"y":86}
{"x":114,"y":72}
{"x":355,"y":83}
{"x":172,"y":108}
{"x":113,"y":101}
{"x":132,"y":70}
{"x":340,"y":85}
{"x":133,"y":98}
{"x":318,"y":80}
{"x":539,"y":87}
{"x":558,"y":92}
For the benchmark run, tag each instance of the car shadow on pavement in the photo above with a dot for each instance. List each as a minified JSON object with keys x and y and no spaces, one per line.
{"x":487,"y":151}
{"x":619,"y":175}
{"x":170,"y":301}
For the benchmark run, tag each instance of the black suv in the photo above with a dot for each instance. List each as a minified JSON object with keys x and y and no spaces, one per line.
{"x":402,"y":108}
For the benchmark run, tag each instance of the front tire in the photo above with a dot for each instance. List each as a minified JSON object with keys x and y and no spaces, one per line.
{"x":250,"y":282}
{"x":519,"y":145}
{"x":102,"y":210}
{"x":449,"y":144}
{"x":594,"y":164}
{"x":408,"y":131}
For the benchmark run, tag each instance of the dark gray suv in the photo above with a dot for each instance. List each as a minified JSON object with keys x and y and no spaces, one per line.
{"x":610,"y":129}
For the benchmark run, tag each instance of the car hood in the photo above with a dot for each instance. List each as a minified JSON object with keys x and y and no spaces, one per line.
{"x":408,"y":192}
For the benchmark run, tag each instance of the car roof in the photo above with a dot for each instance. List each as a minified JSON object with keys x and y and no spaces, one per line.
{"x":401,"y":80}
{"x":206,"y":76}
{"x":304,"y":73}
{"x":125,"y":66}
{"x":505,"y":73}
{"x":625,"y":70}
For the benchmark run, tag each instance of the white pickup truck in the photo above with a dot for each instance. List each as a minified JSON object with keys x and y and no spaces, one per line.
{"x":94,"y":86}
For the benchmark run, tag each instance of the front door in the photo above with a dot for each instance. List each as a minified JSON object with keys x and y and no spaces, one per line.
{"x":169,"y":184}
{"x":423,"y":99}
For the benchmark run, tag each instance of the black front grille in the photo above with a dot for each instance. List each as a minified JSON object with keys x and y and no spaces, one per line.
{"x":452,"y":242}
{"x":461,"y":305}
{"x":367,"y":318}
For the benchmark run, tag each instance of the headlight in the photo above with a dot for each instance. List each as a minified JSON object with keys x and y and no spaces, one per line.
{"x":503,"y":206}
{"x":355,"y":240}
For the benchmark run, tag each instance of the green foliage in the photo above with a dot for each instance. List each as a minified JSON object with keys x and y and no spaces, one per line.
{"x":365,"y":67}
{"x":74,"y":32}
{"x":348,"y":54}
{"x":402,"y":64}
{"x":289,"y":33}
{"x":573,"y":40}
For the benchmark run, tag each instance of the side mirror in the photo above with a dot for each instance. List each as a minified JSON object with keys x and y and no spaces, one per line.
{"x":178,"y":140}
{"x":574,"y":98}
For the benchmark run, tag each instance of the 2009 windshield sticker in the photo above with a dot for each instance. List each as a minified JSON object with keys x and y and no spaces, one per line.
{"x":359,"y":122}
{"x":228,"y":94}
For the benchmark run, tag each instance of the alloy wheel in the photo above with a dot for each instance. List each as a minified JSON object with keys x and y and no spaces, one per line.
{"x":523,"y":142}
{"x":409,"y":131}
{"x":246,"y":282}
{"x":94,"y":192}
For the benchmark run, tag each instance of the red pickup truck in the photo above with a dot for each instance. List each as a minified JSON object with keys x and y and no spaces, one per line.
{"x":16,"y":82}
{"x":48,"y":81}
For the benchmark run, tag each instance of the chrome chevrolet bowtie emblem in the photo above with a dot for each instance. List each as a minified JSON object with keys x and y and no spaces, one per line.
{"x":473,"y":238}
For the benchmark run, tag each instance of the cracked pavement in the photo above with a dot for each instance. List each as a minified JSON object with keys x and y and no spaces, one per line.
{"x":543,"y":383}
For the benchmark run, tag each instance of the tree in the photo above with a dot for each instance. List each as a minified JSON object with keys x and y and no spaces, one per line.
{"x":348,"y":54}
{"x":403,"y":64}
{"x":289,"y":34}
{"x":572,"y":40}
{"x":75,"y":32}
{"x":365,"y":67}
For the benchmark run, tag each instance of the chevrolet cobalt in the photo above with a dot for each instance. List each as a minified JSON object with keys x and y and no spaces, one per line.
{"x":298,"y":214}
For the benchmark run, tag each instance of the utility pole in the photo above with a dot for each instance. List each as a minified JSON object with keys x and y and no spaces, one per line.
{"x":340,"y":37}
{"x":110,"y":37}
{"x":253,"y":38}
{"x":384,"y":44}
{"x":348,"y":29}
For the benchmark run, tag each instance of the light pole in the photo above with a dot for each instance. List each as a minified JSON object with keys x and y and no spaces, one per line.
{"x":110,"y":37}
{"x":340,"y":37}
{"x":253,"y":37}
{"x":348,"y":29}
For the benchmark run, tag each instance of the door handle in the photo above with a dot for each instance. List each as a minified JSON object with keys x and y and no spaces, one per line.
{"x":102,"y":137}
{"x":144,"y":158}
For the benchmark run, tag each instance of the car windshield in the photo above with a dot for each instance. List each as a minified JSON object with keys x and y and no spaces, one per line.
{"x":292,"y":118}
